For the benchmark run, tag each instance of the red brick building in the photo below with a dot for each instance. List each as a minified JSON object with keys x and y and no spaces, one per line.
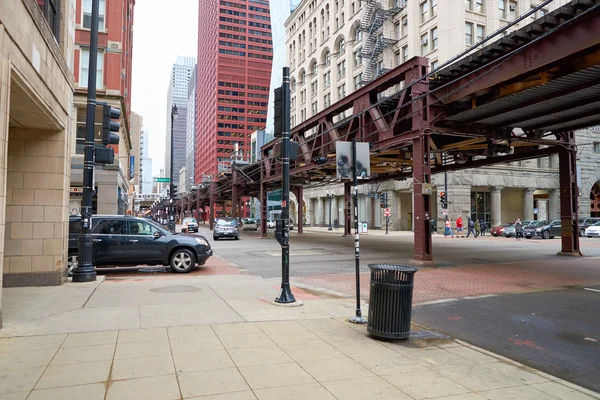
{"x":234,"y":70}
{"x":113,"y":86}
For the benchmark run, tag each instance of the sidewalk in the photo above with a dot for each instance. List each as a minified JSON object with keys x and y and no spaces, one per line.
{"x":219,"y":337}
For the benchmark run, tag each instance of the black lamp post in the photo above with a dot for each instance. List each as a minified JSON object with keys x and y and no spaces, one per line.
{"x":330,"y":197}
{"x":171,"y":225}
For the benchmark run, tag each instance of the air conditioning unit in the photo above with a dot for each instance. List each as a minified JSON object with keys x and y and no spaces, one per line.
{"x":512,"y":7}
{"x":424,"y":41}
{"x":405,"y":22}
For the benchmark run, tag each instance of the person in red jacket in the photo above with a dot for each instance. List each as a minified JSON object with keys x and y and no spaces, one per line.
{"x":459,"y":226}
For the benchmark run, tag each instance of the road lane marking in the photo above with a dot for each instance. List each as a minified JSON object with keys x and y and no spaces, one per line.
{"x":592,"y":290}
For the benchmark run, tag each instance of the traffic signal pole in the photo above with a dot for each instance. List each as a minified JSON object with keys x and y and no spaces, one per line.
{"x":85,"y":271}
{"x":358,"y":318}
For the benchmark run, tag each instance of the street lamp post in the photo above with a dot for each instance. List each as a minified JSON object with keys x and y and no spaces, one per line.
{"x":174,"y":115}
{"x":330,"y":197}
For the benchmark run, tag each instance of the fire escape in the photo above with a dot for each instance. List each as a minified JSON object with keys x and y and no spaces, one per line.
{"x":375,"y":41}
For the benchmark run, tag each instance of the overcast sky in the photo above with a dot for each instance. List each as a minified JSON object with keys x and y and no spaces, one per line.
{"x":161,"y":32}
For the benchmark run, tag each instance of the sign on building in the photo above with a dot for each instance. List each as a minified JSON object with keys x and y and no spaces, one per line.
{"x":343,"y":158}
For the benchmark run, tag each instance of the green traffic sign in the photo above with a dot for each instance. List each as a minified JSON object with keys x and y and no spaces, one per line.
{"x":162,"y":180}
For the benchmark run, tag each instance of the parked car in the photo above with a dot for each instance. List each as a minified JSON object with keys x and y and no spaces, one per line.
{"x":270,"y":224}
{"x":546,"y":229}
{"x":585,"y":223}
{"x":130,"y":241}
{"x":511,"y":230}
{"x":226,"y":227}
{"x":499,"y":230}
{"x":291,"y":225}
{"x":192,"y":224}
{"x":249,"y":224}
{"x":593,"y":231}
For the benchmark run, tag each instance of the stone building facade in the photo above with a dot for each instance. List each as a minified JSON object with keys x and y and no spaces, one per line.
{"x":324,"y":45}
{"x":37,"y":122}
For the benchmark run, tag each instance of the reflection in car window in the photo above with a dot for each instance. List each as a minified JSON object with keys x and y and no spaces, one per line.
{"x":142,"y":228}
{"x":111,"y":227}
{"x":225,"y":222}
{"x":190,"y":220}
{"x":75,"y":226}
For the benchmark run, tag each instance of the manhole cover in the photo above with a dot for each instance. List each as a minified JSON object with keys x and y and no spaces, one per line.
{"x":175,"y":289}
{"x":424,"y":334}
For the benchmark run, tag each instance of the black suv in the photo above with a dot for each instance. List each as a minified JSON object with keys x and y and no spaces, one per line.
{"x":546,"y":229}
{"x":586,"y":223}
{"x":130,"y":241}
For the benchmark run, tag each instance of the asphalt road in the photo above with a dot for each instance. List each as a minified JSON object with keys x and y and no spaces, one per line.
{"x":319,"y":253}
{"x":557,"y":332}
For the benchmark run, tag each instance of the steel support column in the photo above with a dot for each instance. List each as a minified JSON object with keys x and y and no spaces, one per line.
{"x":568,"y":198}
{"x":212,"y":204}
{"x":263,"y":210}
{"x":299,"y":192}
{"x":422,"y":213}
{"x":347,"y":209}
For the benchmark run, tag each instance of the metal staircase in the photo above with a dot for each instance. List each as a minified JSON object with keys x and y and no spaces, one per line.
{"x":375,"y":42}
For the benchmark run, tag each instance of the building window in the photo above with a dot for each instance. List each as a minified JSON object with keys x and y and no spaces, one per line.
{"x":539,"y":14}
{"x":481,"y":208}
{"x":424,"y":44}
{"x":84,"y":69}
{"x":434,"y":65}
{"x":341,"y":69}
{"x":327,"y":100}
{"x":303,"y":96}
{"x":397,"y":59}
{"x":469,"y":34}
{"x":51,"y":11}
{"x":87,"y":14}
{"x":341,"y":91}
{"x":434,"y":38}
{"x":433,"y":8}
{"x":314,"y":108}
{"x":327,"y":79}
{"x":397,"y":30}
{"x":480,"y":33}
{"x":356,"y":58}
{"x":597,"y":147}
{"x":512,"y":10}
{"x":357,"y":81}
{"x":404,"y":22}
{"x":502,"y":9}
{"x":404,"y":53}
{"x":314,"y":88}
{"x":479,"y":6}
{"x":424,"y":11}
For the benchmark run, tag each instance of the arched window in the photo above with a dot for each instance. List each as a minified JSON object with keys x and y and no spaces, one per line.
{"x":341,"y":46}
{"x":326,"y":59}
{"x":302,"y":77}
{"x":293,"y":84}
{"x":314,"y":67}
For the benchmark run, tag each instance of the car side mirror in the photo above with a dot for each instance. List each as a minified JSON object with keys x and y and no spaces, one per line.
{"x":157,"y":235}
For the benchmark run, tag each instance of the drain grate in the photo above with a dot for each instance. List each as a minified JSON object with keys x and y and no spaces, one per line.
{"x":425,"y":334}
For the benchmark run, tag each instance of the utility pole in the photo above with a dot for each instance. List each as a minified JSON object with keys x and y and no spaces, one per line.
{"x":358,"y":318}
{"x":85,"y":271}
{"x":387,"y":219}
{"x":285,"y":293}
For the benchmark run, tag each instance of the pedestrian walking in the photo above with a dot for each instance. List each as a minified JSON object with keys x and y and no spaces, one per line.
{"x":483,"y":227}
{"x":470,"y":227}
{"x":477,"y":228}
{"x":448,"y":229}
{"x":518,"y":229}
{"x":459,"y":226}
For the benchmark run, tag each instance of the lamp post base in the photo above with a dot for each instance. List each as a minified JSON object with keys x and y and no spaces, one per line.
{"x":358,"y":320}
{"x":285,"y":295}
{"x":84,"y":276}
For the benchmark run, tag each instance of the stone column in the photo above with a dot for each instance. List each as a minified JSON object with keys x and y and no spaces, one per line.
{"x":334,"y":211}
{"x":554,"y":204}
{"x":326,"y":211}
{"x":496,"y":205}
{"x":320,"y":220}
{"x":340,"y":209}
{"x":528,"y":203}
{"x":393,"y":203}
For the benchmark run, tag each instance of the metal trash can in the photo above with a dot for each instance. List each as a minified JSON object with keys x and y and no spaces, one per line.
{"x":390,"y":300}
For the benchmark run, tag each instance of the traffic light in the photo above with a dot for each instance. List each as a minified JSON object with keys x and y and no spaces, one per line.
{"x":173,"y":191}
{"x":443,"y":200}
{"x":278,"y":118}
{"x":109,"y":114}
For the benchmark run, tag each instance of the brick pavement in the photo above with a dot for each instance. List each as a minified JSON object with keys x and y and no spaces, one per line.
{"x":474,"y":280}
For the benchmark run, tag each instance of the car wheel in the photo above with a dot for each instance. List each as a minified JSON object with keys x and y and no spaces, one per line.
{"x":237,"y":237}
{"x":546,"y":235}
{"x":551,"y":237}
{"x":215,"y":238}
{"x":182,"y":261}
{"x":528,"y":237}
{"x":72,"y":263}
{"x":582,"y":232}
{"x":590,"y":237}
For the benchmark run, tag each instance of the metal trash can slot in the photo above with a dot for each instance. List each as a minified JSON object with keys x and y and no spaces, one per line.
{"x":390,"y":300}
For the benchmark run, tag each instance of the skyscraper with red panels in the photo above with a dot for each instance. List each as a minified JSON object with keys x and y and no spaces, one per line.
{"x":235,"y":53}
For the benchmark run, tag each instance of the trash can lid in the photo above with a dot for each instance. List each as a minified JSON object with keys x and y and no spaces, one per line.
{"x":393,"y":267}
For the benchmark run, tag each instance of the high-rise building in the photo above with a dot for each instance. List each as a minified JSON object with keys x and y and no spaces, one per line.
{"x":234,"y":67}
{"x":280,"y":11}
{"x":134,"y":161}
{"x":191,"y":131}
{"x":113,"y":86}
{"x":146,"y":163}
{"x":334,"y":47}
{"x":178,"y":96}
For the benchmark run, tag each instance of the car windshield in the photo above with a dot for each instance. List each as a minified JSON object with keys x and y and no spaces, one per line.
{"x":539,"y":223}
{"x":597,"y":224}
{"x":190,"y":220}
{"x":227,"y":222}
{"x":506,"y":225}
{"x":249,"y":221}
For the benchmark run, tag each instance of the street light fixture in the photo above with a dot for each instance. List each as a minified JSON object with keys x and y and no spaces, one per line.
{"x":330,"y":197}
{"x":174,"y":115}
